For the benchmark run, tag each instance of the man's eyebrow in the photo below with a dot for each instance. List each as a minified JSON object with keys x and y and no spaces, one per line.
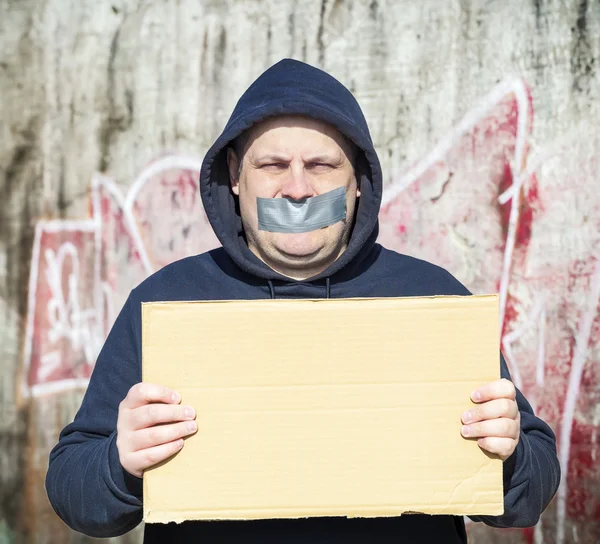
{"x":325,"y":157}
{"x":272,"y":157}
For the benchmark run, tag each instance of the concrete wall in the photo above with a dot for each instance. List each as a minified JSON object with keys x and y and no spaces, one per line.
{"x":485,"y":115}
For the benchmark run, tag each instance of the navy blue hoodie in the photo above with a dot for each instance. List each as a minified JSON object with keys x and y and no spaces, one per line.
{"x":86,"y":484}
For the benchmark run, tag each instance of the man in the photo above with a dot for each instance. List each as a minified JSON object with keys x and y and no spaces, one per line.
{"x":292,"y":189}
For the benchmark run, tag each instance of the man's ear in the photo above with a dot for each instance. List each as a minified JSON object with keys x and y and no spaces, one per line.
{"x":233,"y":165}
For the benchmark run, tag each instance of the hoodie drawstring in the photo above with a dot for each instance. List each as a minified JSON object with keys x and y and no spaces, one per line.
{"x":327,"y":288}
{"x":271,"y":290}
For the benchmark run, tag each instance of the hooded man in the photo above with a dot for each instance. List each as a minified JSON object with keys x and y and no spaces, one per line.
{"x":292,"y":189}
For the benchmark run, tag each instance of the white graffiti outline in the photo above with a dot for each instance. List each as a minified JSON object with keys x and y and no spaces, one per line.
{"x":66,"y":317}
{"x":577,"y":366}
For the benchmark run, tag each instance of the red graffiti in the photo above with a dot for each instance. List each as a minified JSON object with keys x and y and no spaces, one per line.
{"x":82,"y":270}
{"x":527,"y":224}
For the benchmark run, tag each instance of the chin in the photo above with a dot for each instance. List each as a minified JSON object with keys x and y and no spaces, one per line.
{"x":299,"y":246}
{"x":296,"y":255}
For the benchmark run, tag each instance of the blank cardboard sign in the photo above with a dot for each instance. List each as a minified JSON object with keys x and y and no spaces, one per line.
{"x":347,"y":407}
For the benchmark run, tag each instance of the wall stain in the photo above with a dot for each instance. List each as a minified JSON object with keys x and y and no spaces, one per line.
{"x":62,"y":202}
{"x":320,"y":43}
{"x":373,"y":9}
{"x":16,"y":233}
{"x":269,"y":39}
{"x":291,"y":26}
{"x":12,"y":444}
{"x":114,"y":121}
{"x":539,"y":59}
{"x":220,"y":54}
{"x":582,"y":58}
{"x":537,"y":5}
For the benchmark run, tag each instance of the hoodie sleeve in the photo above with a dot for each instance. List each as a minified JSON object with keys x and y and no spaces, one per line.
{"x":531,"y":474}
{"x":86,"y":484}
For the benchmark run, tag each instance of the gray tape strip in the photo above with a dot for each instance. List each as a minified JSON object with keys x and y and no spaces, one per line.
{"x":285,"y":215}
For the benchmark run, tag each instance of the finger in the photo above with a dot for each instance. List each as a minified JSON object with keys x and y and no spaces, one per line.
{"x":144,"y":459}
{"x":161,"y":434}
{"x":491,"y":410}
{"x":154,"y":414}
{"x":145,"y":393}
{"x":504,"y":447}
{"x":500,"y":389}
{"x":502,"y":427}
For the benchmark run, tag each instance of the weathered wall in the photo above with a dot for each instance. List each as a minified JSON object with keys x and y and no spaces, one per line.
{"x":485,"y":115}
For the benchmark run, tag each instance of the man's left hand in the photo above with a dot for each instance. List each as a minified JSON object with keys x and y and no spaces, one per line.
{"x":495,"y":421}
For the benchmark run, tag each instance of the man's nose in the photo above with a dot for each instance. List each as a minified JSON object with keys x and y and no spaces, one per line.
{"x":297,"y":186}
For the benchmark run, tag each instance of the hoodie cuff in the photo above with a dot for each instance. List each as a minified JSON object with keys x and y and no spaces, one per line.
{"x":126,"y":483}
{"x":511,"y":466}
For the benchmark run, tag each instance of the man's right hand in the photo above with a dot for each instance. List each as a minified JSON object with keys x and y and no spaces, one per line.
{"x":151,"y":426}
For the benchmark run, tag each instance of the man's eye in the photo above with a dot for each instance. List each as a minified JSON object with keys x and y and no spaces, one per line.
{"x":275,"y":166}
{"x":319,"y":165}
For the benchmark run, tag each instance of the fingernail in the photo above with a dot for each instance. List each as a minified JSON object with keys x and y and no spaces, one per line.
{"x":467,"y":417}
{"x":192,"y":426}
{"x":175,"y":398}
{"x":189,"y":412}
{"x":465,"y":430}
{"x":476,"y":396}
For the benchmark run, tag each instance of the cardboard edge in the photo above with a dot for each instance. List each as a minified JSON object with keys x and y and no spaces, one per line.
{"x":145,"y":318}
{"x":164,"y":516}
{"x":482,"y":297}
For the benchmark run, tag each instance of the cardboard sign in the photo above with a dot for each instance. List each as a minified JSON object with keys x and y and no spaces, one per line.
{"x":343,"y":407}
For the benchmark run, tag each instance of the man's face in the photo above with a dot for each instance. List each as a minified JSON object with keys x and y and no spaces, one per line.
{"x":294,"y":157}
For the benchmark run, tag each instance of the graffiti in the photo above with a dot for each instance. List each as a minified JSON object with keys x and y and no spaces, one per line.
{"x":556,"y":268}
{"x":525,"y":223}
{"x":62,"y":331}
{"x":502,"y":215}
{"x":66,"y":318}
{"x":82,"y":271}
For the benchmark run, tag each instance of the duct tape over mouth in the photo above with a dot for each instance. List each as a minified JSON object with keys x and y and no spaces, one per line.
{"x":308,"y":214}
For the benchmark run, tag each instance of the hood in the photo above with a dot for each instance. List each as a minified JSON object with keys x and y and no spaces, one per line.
{"x":292,"y":87}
